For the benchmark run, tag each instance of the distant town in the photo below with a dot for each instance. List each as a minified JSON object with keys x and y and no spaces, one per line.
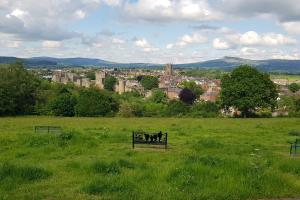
{"x":169,"y":81}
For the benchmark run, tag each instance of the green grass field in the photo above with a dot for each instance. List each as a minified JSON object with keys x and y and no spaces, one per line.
{"x":207,"y":159}
{"x":287,"y":77}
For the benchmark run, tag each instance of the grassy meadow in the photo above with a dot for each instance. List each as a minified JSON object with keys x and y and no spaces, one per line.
{"x":93,"y":159}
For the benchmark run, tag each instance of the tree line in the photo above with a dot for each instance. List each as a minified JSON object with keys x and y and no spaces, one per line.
{"x":245,"y":90}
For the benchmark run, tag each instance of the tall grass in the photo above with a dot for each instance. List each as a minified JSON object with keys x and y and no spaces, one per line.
{"x":214,"y":159}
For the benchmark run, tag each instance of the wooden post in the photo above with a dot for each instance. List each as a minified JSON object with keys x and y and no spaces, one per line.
{"x":133,"y":140}
{"x":166,"y":144}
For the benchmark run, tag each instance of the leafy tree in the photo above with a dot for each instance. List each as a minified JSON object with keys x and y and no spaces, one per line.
{"x":139,"y":78}
{"x":152,"y":109}
{"x":294,"y":87}
{"x":109,"y":83}
{"x":130,"y":95}
{"x":18,"y":89}
{"x":205,"y":109}
{"x":91,"y":75}
{"x":44,"y":95}
{"x":196,"y":89}
{"x":177,"y":108}
{"x":131,"y":109}
{"x":248,"y":90}
{"x":297,"y":104}
{"x":94,"y":102}
{"x":149,"y":82}
{"x":158,"y":96}
{"x":63,"y":104}
{"x":187,"y":96}
{"x":63,"y":101}
{"x":287,"y":103}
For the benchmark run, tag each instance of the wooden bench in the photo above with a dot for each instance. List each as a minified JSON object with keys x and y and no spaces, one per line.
{"x":150,"y":138}
{"x":294,"y":146}
{"x":47,"y":129}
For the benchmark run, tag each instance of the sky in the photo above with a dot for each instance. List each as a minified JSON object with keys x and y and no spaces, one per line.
{"x":152,"y":31}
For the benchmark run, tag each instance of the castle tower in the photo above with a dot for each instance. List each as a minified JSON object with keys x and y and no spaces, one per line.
{"x":100,"y":77}
{"x":122,"y":85}
{"x":169,"y":70}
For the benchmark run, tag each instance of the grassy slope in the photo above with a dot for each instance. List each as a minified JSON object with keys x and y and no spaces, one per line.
{"x":288,"y":77}
{"x":207,"y":159}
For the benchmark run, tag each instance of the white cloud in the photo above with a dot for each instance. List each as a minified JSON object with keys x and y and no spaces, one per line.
{"x":268,"y":39}
{"x":45,"y":20}
{"x":80,"y":14}
{"x":117,"y":41}
{"x":221,"y":44}
{"x":283,"y":56}
{"x":170,"y":46}
{"x":166,"y":10}
{"x":51,"y":44}
{"x":189,"y":39}
{"x":17,"y":13}
{"x":292,"y":27}
{"x":250,"y":38}
{"x":249,"y":52}
{"x":145,"y":45}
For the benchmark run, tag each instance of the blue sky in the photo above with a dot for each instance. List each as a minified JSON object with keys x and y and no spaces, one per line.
{"x":156,"y":31}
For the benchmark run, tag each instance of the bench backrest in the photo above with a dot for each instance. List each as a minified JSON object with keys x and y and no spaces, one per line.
{"x":47,"y":129}
{"x":148,"y":137}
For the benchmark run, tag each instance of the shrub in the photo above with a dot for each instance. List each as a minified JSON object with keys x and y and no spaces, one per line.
{"x":93,"y":102}
{"x":63,"y":105}
{"x":187,"y":96}
{"x":131,"y":109}
{"x":205,"y":109}
{"x":154,"y":109}
{"x":177,"y":108}
{"x":294,"y":133}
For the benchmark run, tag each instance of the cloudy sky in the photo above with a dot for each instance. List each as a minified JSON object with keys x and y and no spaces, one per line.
{"x":157,"y":31}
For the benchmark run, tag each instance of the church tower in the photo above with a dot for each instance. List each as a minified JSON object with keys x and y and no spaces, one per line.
{"x":169,"y":70}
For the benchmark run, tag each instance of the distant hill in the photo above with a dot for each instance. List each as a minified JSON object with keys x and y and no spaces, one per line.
{"x":226,"y":63}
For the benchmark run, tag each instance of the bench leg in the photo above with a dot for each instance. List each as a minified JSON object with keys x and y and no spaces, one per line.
{"x":133,"y":140}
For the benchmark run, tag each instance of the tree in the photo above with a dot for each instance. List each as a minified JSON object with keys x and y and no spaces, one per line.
{"x":205,"y":109}
{"x":187,"y":96}
{"x":63,"y":104}
{"x":177,"y":108}
{"x":94,"y":102}
{"x":196,"y":89}
{"x":158,"y":96}
{"x":297,"y":104}
{"x":131,"y":109}
{"x":149,"y":82}
{"x":248,"y":90}
{"x":91,"y":75}
{"x":109,"y":83}
{"x":154,"y":109}
{"x":18,"y":89}
{"x":294,"y":87}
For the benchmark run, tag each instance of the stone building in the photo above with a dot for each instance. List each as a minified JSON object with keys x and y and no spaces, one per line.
{"x":100,"y":78}
{"x":63,"y":77}
{"x":173,"y":93}
{"x":121,"y":87}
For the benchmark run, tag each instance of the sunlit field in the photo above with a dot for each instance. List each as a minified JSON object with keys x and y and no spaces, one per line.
{"x":93,"y":159}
